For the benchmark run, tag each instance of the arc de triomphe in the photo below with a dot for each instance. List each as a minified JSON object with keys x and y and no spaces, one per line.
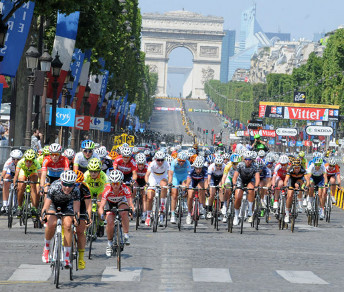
{"x":202,"y":35}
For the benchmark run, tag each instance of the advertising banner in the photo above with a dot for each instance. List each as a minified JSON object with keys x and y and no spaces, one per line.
{"x":82,"y":122}
{"x":263,"y":133}
{"x":289,"y":132}
{"x":97,"y":123}
{"x":65,"y":117}
{"x":107,"y":127}
{"x":299,"y":97}
{"x":319,"y":131}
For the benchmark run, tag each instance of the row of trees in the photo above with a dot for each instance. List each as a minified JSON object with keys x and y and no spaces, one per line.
{"x":322,"y":78}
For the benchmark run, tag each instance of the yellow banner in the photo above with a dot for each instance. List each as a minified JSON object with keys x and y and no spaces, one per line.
{"x":124,"y":138}
{"x":299,"y":104}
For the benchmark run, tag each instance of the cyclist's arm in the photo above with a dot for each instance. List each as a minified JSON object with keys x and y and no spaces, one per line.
{"x":188,"y":181}
{"x":308,"y":177}
{"x":101,"y":207}
{"x":47,"y":203}
{"x":325,"y":177}
{"x":257,"y":180}
{"x":16,"y":175}
{"x":338,"y":179}
{"x":147,"y":176}
{"x":76,"y":207}
{"x":43,"y":177}
{"x":170,"y":176}
{"x":287,"y":177}
{"x":75,"y":167}
{"x":134,"y":175}
{"x":235,"y":177}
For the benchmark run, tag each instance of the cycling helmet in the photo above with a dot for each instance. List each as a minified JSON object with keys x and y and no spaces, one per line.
{"x":256,"y":136}
{"x":172,"y":149}
{"x":96,"y":145}
{"x":210,"y":158}
{"x":207,"y":152}
{"x":178,"y":147}
{"x":125,"y":145}
{"x":235,"y":158}
{"x":126,"y":152}
{"x":16,"y":154}
{"x":46,"y":150}
{"x":55,"y":148}
{"x":283,"y":159}
{"x":182,"y":156}
{"x":113,"y":154}
{"x":94,"y":165}
{"x":201,"y":153}
{"x":192,"y":150}
{"x":159,"y":155}
{"x":318,"y":160}
{"x":218,"y":160}
{"x":146,"y":152}
{"x":80,"y":176}
{"x":140,"y":158}
{"x":87,"y":144}
{"x":296,"y":162}
{"x":116,"y":176}
{"x":270,"y":159}
{"x":249,"y":155}
{"x":30,"y":154}
{"x":168,"y":158}
{"x":261,"y":153}
{"x":201,"y":158}
{"x":226,"y":156}
{"x":331,"y":161}
{"x":163,"y":149}
{"x":189,"y":154}
{"x":135,"y":150}
{"x":69,"y":153}
{"x":259,"y":163}
{"x":101,"y":151}
{"x":198,"y":163}
{"x":68,"y":176}
{"x":301,"y":154}
{"x":316,"y":154}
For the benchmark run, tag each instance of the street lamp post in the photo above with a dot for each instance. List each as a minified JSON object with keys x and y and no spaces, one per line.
{"x":56,"y":64}
{"x":45,"y":61}
{"x":75,"y":100}
{"x":32,"y":55}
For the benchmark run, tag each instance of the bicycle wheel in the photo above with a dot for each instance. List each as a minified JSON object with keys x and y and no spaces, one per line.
{"x":230,"y":216}
{"x":283,"y":214}
{"x":138,"y":212}
{"x":328,"y":208}
{"x":76,"y":252}
{"x":242,"y":215}
{"x":58,"y":259}
{"x":180,"y":213}
{"x":316,"y":211}
{"x":26,"y":210}
{"x":156,"y":215}
{"x":71,"y":259}
{"x":293,"y":215}
{"x":167,"y":209}
{"x":10,"y":208}
{"x":118,"y":247}
{"x":216,"y":225}
{"x":195,"y":214}
{"x":92,"y":233}
{"x":267,"y":210}
{"x":256,"y":213}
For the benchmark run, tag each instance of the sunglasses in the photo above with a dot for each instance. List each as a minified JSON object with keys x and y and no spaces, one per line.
{"x":55,"y":154}
{"x":160,"y":160}
{"x":235,"y":163}
{"x":218,"y":165}
{"x":88,"y":151}
{"x":126,"y":156}
{"x":67,"y":185}
{"x":94,"y":171}
{"x":248,"y":159}
{"x":116,"y":183}
{"x":317,"y":164}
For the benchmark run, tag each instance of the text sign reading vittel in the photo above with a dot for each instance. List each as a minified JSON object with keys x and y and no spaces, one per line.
{"x":289,"y":132}
{"x":319,"y":131}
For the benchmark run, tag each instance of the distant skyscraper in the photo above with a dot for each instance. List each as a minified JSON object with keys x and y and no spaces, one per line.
{"x":318,"y":36}
{"x":228,"y":47}
{"x":285,"y":37}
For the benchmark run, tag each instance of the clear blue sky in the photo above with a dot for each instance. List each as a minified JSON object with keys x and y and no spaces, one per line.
{"x":301,"y":18}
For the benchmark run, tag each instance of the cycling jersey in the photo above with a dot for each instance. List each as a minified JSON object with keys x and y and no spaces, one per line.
{"x":291,"y":172}
{"x":141,"y":173}
{"x":180,"y":170}
{"x":126,"y":168}
{"x":197,"y":177}
{"x":280,"y":171}
{"x":40,"y":159}
{"x":24,"y":170}
{"x":303,"y":162}
{"x":314,"y":172}
{"x":229,"y":170}
{"x":112,"y":199}
{"x":96,"y":185}
{"x":246,"y":174}
{"x":82,"y":161}
{"x":214,"y":171}
{"x":265,"y":173}
{"x":54,"y":169}
{"x":107,"y":165}
{"x":332,"y":170}
{"x":9,"y":166}
{"x":60,"y":199}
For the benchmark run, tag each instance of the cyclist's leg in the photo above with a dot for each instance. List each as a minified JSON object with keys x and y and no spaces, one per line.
{"x":34,"y":193}
{"x":332,"y":181}
{"x":6,"y":189}
{"x":250,"y":196}
{"x":49,"y":233}
{"x":110,"y":219}
{"x":174,"y":194}
{"x":163,"y":183}
{"x":21,"y":187}
{"x":124,"y":216}
{"x":237,"y":203}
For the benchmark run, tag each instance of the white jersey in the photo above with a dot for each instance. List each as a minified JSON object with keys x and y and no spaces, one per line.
{"x":9,"y":166}
{"x":81,"y":160}
{"x":214,"y":171}
{"x":313,"y":171}
{"x":157,"y":170}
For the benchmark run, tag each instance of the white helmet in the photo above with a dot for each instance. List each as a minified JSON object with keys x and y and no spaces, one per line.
{"x":189,"y":154}
{"x":16,"y":154}
{"x":172,"y":149}
{"x":140,"y":158}
{"x":125,"y":145}
{"x":69,"y":153}
{"x":198,"y":163}
{"x":332,"y":161}
{"x":201,"y":158}
{"x":146,"y":152}
{"x":68,"y":176}
{"x":126,"y":152}
{"x":260,"y":163}
{"x":101,"y":151}
{"x":218,"y":160}
{"x":201,"y":153}
{"x":182,"y":156}
{"x":159,"y":155}
{"x":96,"y":145}
{"x":226,"y":156}
{"x":55,"y":148}
{"x":249,"y":155}
{"x":178,"y":147}
{"x":283,"y":159}
{"x":261,"y":153}
{"x":116,"y":176}
{"x":169,"y":158}
{"x":135,"y":150}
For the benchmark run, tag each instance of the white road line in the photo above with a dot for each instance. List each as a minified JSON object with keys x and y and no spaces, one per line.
{"x":301,"y":277}
{"x":111,"y":274}
{"x":31,"y":273}
{"x":211,"y":275}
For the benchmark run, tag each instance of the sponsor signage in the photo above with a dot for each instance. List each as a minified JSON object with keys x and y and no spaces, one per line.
{"x":289,"y":132}
{"x":240,"y":133}
{"x":263,"y":133}
{"x":295,"y":111}
{"x":65,"y":117}
{"x":298,"y":143}
{"x":307,"y":143}
{"x":299,"y":97}
{"x":82,"y":123}
{"x":254,"y":124}
{"x":97,"y":123}
{"x":319,"y":131}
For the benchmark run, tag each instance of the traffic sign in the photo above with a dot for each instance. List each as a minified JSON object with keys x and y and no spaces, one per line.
{"x":319,"y":131}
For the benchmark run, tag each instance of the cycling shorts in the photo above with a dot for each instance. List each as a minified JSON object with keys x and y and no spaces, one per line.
{"x":194,"y":182}
{"x":295,"y":180}
{"x":228,"y":181}
{"x":51,"y":179}
{"x":318,"y":180}
{"x":154,"y":180}
{"x":215,"y":180}
{"x":65,"y":208}
{"x":11,"y":173}
{"x":242,"y":184}
{"x":141,"y":182}
{"x":109,"y":206}
{"x":26,"y":173}
{"x":178,"y":180}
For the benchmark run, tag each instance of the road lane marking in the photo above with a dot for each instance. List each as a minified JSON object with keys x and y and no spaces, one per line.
{"x":211,"y":275}
{"x":31,"y":273}
{"x":111,"y":274}
{"x":301,"y":277}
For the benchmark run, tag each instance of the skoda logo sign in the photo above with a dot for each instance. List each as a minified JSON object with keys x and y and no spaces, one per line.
{"x":319,"y":131}
{"x":289,"y":132}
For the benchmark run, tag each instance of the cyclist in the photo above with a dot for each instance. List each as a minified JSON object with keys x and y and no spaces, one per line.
{"x":294,"y":180}
{"x":27,"y":169}
{"x":317,"y":176}
{"x":116,"y":194}
{"x":265,"y":180}
{"x":8,"y":173}
{"x":177,"y":175}
{"x":64,"y":194}
{"x":333,"y":176}
{"x":197,"y":177}
{"x":258,"y":144}
{"x":157,"y":174}
{"x":148,"y":155}
{"x":70,"y":154}
{"x":142,"y":168}
{"x":303,"y":159}
{"x":127,"y":165}
{"x":215,"y":174}
{"x":85,"y":215}
{"x":53,"y":165}
{"x":246,"y":175}
{"x":107,"y":164}
{"x":44,"y":153}
{"x":226,"y":158}
{"x":278,"y":177}
{"x":82,"y":158}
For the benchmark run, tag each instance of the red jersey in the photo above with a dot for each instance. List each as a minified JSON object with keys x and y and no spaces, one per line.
{"x":126,"y":168}
{"x":123,"y":195}
{"x":279,"y":171}
{"x":141,"y":173}
{"x":332,"y":170}
{"x":55,"y":169}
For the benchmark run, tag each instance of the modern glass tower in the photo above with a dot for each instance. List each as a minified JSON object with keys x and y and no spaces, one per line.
{"x":228,"y":47}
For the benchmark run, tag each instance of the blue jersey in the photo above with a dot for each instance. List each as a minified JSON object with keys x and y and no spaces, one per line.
{"x":203,"y":175}
{"x":265,"y":173}
{"x":180,"y":170}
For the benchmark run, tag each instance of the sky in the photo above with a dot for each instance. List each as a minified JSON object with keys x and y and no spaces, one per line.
{"x":301,"y":18}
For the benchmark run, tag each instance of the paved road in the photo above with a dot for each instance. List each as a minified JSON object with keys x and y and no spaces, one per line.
{"x":311,"y":259}
{"x":168,"y":122}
